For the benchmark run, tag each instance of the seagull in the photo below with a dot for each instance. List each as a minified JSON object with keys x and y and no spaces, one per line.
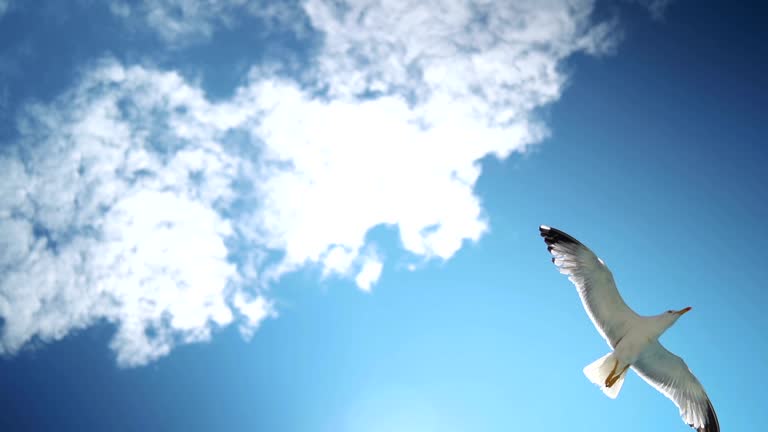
{"x":634,"y":339}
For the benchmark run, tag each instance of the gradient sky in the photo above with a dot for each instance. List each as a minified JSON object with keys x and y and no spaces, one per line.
{"x":322,"y":216}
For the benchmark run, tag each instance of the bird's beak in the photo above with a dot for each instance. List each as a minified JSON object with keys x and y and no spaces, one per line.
{"x":683,"y":311}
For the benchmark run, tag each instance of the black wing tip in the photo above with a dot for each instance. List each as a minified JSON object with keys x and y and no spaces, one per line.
{"x":712,"y":424}
{"x":553,"y":236}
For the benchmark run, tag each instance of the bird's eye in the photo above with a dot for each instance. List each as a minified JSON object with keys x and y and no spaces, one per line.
{"x":670,"y":311}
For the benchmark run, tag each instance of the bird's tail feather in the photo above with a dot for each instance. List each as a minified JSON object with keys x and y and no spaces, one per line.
{"x":600,"y":369}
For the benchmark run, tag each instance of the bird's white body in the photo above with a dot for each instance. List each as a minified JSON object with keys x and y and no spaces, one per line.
{"x":641,"y":335}
{"x":634,"y":339}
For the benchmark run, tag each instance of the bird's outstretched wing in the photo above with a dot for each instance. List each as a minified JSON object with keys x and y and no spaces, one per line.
{"x":594,"y":282}
{"x":670,"y":375}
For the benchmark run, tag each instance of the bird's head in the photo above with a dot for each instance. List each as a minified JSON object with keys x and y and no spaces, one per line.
{"x":673,"y":315}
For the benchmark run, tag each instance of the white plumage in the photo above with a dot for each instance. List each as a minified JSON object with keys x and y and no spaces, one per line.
{"x":633,"y":338}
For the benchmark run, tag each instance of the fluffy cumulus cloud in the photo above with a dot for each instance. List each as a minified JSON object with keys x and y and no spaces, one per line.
{"x":111,"y":208}
{"x":133,"y":199}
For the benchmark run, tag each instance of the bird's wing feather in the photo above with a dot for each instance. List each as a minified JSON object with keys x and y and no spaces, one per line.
{"x":670,"y":375}
{"x":594,"y":282}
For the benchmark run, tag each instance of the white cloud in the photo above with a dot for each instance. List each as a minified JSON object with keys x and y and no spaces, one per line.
{"x":369,"y":273}
{"x":110,"y":212}
{"x":254,"y":310}
{"x":136,"y":200}
{"x":498,"y":58}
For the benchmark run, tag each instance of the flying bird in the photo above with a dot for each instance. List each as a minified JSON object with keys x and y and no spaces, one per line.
{"x":634,"y":339}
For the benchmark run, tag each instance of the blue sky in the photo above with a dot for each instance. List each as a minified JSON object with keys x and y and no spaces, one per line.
{"x":322,"y":216}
